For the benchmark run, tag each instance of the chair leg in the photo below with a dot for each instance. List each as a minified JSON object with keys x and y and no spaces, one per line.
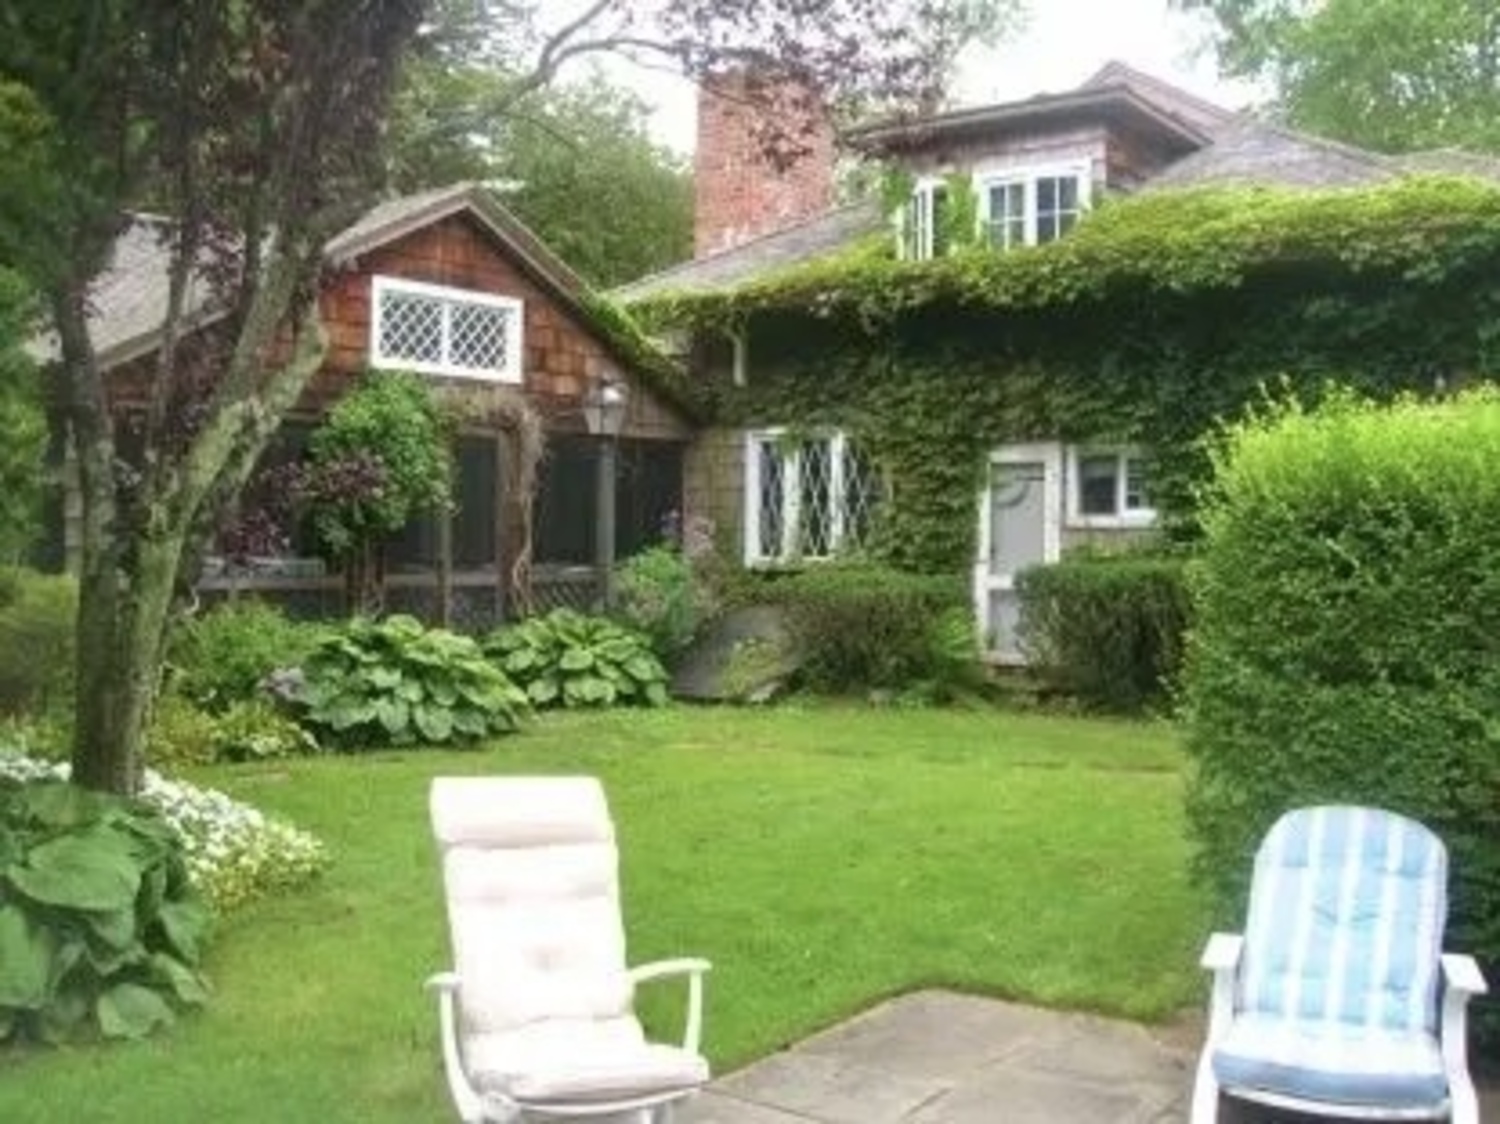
{"x":1463,"y":1104}
{"x":1206,"y":1094}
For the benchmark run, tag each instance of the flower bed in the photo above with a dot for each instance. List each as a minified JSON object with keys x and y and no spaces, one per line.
{"x":235,"y":853}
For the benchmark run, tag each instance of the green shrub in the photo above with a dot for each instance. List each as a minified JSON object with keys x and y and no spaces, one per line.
{"x":180,"y":735}
{"x":221,"y":657}
{"x":860,"y":627}
{"x":1106,"y":629}
{"x":257,"y":731}
{"x":38,"y":615}
{"x":570,"y":660}
{"x":1346,"y":644}
{"x":394,"y":682}
{"x":99,"y":926}
{"x":660,"y":593}
{"x":234,"y":854}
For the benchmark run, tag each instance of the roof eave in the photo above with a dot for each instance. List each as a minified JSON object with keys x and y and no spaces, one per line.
{"x":962,"y":123}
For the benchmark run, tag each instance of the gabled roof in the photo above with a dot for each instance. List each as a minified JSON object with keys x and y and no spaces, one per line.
{"x":1117,"y":92}
{"x":1250,"y":151}
{"x":1200,"y":113}
{"x":808,"y":240}
{"x":129,"y":299}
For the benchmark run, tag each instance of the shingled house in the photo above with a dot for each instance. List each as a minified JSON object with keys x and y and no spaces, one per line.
{"x":1036,"y":168}
{"x":451,"y":285}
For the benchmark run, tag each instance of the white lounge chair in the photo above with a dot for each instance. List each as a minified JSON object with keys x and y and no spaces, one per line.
{"x":1338,"y":1000}
{"x":536,"y":1019}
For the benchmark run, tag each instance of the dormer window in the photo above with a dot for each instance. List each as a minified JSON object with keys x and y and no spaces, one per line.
{"x":1032,"y":207}
{"x":924,"y":224}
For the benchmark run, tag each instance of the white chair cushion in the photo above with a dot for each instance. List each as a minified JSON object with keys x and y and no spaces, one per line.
{"x":579,"y":1060}
{"x":1332,"y":1062}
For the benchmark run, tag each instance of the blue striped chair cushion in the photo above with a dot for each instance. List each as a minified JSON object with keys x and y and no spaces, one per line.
{"x":1341,"y":960}
{"x":1323,"y":1062}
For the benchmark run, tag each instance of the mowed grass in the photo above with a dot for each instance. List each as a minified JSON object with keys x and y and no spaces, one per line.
{"x":822,"y":857}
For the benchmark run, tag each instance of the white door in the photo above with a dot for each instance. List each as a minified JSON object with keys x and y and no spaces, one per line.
{"x":1019,"y":526}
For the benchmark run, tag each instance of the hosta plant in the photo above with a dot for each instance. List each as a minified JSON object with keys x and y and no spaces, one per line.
{"x":234,"y":853}
{"x":100,"y":926}
{"x":394,"y":682}
{"x":571,"y":660}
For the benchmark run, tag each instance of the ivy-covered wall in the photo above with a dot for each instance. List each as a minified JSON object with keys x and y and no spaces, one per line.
{"x":1161,"y":314}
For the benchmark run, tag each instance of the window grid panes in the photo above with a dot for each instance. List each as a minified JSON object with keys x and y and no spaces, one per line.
{"x":1098,"y":485}
{"x":1057,"y":207}
{"x":813,"y":497}
{"x":925,"y":233}
{"x":438,"y":330}
{"x":1007,"y":215}
{"x":1136,"y":498}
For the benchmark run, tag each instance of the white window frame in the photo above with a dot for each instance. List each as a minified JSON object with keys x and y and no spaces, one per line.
{"x":515,"y":349}
{"x":916,"y":233}
{"x":791,"y":497}
{"x":1027,"y":176}
{"x":1123,"y":517}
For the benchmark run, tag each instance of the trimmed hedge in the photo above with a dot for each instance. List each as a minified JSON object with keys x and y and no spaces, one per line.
{"x":1346,"y":645}
{"x":860,"y":627}
{"x":1108,"y":630}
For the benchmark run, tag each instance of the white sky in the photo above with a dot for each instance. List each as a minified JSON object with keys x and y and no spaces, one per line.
{"x":1064,"y":42}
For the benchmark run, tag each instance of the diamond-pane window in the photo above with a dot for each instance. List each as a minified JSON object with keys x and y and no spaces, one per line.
{"x":809,"y":497}
{"x":442,"y":331}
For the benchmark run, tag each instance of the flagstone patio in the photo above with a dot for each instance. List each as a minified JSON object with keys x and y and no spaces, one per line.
{"x":938,"y":1057}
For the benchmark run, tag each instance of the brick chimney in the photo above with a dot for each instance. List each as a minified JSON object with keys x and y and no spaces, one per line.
{"x":741,"y":192}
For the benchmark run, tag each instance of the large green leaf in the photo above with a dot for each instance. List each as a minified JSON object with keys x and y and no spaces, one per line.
{"x":26,"y":951}
{"x":129,"y":1010}
{"x":113,"y":928}
{"x":435,"y":723}
{"x":185,"y":925}
{"x":644,"y":669}
{"x":87,"y":870}
{"x":393,"y":714}
{"x":186,"y":984}
{"x":576,"y":659}
{"x":522,"y":659}
{"x":543,"y":691}
{"x":656,"y":694}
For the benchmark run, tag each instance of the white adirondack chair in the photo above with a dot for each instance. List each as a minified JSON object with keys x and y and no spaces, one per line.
{"x":1332,"y":1002}
{"x":536,"y":1019}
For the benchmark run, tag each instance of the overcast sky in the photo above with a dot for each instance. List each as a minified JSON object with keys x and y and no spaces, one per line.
{"x":1065,"y":41}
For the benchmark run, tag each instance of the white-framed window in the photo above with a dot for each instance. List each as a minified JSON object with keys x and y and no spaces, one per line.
{"x":807,"y":496}
{"x":1109,"y":487}
{"x":438,"y":330}
{"x":1034,"y":206}
{"x":923,"y":233}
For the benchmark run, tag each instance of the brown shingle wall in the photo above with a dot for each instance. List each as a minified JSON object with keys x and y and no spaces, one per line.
{"x":561,"y":355}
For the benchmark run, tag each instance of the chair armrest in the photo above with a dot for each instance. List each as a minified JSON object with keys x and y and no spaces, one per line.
{"x":693,"y":968}
{"x":465,"y":1097}
{"x":1222,"y":953}
{"x":1461,"y":973}
{"x":661,"y":969}
{"x":1221,"y":956}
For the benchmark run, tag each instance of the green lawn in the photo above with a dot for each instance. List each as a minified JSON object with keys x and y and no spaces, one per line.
{"x":821,"y":857}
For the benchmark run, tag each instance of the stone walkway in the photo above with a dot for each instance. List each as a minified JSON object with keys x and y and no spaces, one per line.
{"x":937,"y":1057}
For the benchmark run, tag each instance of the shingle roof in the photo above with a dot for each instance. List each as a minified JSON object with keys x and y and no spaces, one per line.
{"x":128,"y":301}
{"x":1200,"y":113}
{"x":806,"y":241}
{"x":1249,"y":151}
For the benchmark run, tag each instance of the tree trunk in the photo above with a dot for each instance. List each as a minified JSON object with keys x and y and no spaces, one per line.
{"x":132,"y":570}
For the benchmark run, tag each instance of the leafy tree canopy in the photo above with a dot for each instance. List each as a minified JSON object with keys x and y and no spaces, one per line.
{"x":575,"y":162}
{"x":1392,"y":75}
